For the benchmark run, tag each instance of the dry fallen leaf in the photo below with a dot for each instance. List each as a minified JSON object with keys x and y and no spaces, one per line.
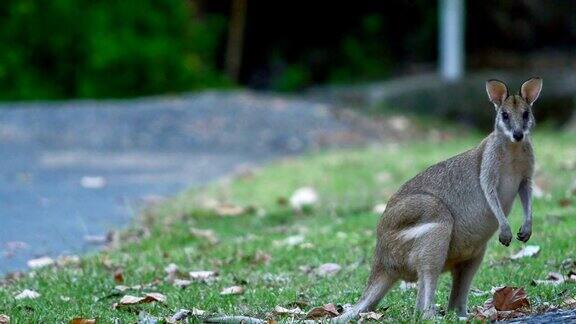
{"x":127,"y":300}
{"x":79,"y":320}
{"x":370,"y":316}
{"x":571,"y":276}
{"x":303,"y":198}
{"x":205,"y":234}
{"x":328,"y":310}
{"x":554,"y":278}
{"x":279,"y":310}
{"x":485,"y":312}
{"x":118,"y":276}
{"x":68,"y":260}
{"x":527,"y":251}
{"x":229,"y":210}
{"x":181,"y":283}
{"x":202,"y":275}
{"x":234,"y":290}
{"x":40,"y":262}
{"x":328,"y":269}
{"x":4,"y":319}
{"x":130,"y":300}
{"x":565,"y":202}
{"x":27,"y":294}
{"x":569,"y":302}
{"x":510,"y":298}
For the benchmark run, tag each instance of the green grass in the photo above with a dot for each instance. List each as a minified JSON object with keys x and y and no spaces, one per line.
{"x":340,"y":229}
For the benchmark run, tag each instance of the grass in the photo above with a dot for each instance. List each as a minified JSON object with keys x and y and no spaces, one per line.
{"x":340,"y":230}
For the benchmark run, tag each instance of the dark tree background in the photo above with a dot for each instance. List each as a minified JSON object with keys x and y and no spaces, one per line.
{"x":109,"y":48}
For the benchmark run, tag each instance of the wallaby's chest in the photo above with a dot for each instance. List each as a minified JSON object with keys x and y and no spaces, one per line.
{"x":514,"y":168}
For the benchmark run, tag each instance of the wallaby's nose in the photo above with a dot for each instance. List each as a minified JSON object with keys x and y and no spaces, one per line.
{"x":518,"y":135}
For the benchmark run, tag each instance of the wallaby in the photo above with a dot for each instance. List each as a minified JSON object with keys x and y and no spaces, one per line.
{"x":441,"y":219}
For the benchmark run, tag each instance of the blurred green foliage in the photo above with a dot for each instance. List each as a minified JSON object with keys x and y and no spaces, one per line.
{"x":105,"y":48}
{"x":364,"y":54}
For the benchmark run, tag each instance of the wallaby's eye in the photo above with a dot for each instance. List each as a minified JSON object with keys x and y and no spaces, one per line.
{"x":525,"y":115}
{"x":505,"y":115}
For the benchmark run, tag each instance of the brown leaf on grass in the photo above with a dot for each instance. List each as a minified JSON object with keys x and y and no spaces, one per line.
{"x":279,"y":310}
{"x":506,"y":303}
{"x":234,"y":290}
{"x":282,"y":201}
{"x":487,"y":312}
{"x":565,"y":202}
{"x":510,"y":298}
{"x":370,"y":316}
{"x":118,"y":276}
{"x":128,"y":300}
{"x":80,"y":320}
{"x":4,"y":319}
{"x":328,"y":310}
{"x":205,"y":234}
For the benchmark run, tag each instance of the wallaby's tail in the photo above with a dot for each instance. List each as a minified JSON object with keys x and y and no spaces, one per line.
{"x":378,"y":286}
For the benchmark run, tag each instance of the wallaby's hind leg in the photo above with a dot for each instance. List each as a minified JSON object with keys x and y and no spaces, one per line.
{"x":429,"y":253}
{"x":378,"y":284}
{"x":462,"y":275}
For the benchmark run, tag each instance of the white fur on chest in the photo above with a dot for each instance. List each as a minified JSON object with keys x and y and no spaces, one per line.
{"x":512,"y":171}
{"x":508,"y":186}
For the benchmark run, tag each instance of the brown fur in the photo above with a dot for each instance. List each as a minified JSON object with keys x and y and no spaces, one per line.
{"x":442,"y":219}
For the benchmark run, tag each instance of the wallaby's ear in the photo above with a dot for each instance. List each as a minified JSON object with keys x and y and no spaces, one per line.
{"x":531,"y":89}
{"x":497,"y":91}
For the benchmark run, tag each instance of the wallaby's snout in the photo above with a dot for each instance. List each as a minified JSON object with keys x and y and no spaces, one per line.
{"x":514,"y":118}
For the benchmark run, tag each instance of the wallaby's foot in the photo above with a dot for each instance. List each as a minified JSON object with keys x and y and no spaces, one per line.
{"x":524,"y":233}
{"x":505,"y":235}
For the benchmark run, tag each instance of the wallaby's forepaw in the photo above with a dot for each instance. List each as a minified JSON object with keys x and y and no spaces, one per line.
{"x":524,"y":234}
{"x":505,"y":236}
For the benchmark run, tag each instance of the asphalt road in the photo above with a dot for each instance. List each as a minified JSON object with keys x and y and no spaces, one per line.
{"x":74,"y":169}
